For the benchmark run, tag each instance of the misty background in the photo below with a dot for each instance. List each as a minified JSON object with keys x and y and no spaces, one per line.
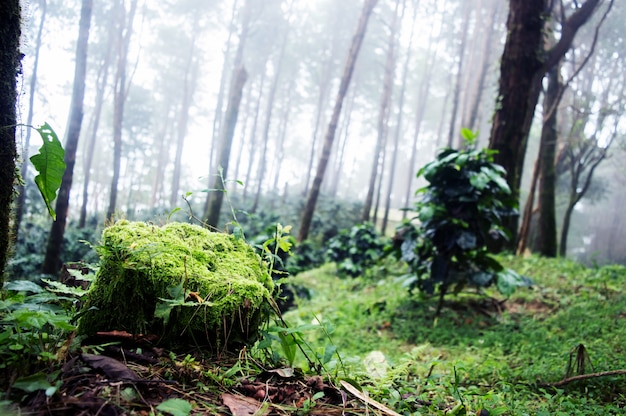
{"x":435,"y":61}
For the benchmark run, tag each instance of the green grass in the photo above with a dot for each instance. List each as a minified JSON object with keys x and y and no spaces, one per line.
{"x":480,"y":353}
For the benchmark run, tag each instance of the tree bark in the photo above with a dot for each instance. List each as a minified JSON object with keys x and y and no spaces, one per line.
{"x":10,"y":57}
{"x":546,"y":237}
{"x":522,"y":67}
{"x":52,"y":259}
{"x":357,"y":41}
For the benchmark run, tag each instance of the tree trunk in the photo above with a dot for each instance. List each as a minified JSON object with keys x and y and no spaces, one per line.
{"x":456,"y":97}
{"x":522,"y":67}
{"x":21,"y":190}
{"x":383,"y":117}
{"x":190,"y":78}
{"x":420,"y":108}
{"x":216,"y":196}
{"x":52,"y":260}
{"x":10,"y":57}
{"x":546,"y":237}
{"x":260,"y":177}
{"x":357,"y":41}
{"x":217,"y":119}
{"x":101,"y":83}
{"x":119,"y":97}
{"x":253,"y":140}
{"x":398,"y":132}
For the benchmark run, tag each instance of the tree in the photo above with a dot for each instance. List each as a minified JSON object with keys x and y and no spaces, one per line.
{"x":523,"y":65}
{"x":120,"y":92}
{"x":10,"y":57}
{"x":215,"y":197}
{"x":101,"y":87}
{"x":383,"y":116}
{"x":545,"y":236}
{"x":51,"y":263}
{"x":353,"y":53}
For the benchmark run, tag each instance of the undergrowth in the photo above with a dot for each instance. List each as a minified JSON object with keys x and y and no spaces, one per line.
{"x":502,"y":355}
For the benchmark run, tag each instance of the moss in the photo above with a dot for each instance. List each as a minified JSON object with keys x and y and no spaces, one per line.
{"x":140,"y":262}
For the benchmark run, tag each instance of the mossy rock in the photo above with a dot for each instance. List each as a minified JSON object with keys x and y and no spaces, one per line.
{"x":143,"y":265}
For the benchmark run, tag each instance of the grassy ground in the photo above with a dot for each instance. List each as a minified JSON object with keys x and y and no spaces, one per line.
{"x":485,"y":353}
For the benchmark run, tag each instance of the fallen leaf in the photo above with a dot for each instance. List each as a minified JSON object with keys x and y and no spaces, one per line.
{"x":111,"y":367}
{"x":242,"y":406}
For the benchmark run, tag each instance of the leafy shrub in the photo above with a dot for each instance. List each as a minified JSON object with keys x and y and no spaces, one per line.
{"x":355,"y":249}
{"x":460,"y":213}
{"x":35,"y":323}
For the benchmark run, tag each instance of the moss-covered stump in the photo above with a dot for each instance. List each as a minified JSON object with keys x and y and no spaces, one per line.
{"x":179,"y":280}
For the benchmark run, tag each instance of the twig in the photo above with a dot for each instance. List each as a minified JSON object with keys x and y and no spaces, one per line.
{"x":584,"y":377}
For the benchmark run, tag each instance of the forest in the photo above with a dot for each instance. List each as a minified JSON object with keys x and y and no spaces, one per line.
{"x":312,"y":207}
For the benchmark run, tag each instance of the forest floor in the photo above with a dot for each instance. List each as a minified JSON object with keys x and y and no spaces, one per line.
{"x":366,"y":346}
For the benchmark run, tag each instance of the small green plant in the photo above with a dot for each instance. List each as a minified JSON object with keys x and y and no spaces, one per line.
{"x":460,"y":212}
{"x":35,"y":324}
{"x":355,"y":249}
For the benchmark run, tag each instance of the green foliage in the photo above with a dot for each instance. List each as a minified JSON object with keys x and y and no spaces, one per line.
{"x":481,"y":353}
{"x":355,"y":249}
{"x":50,"y":164}
{"x":35,"y":323}
{"x":460,"y":213}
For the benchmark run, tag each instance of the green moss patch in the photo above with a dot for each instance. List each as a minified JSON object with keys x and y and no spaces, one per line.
{"x":216,"y":287}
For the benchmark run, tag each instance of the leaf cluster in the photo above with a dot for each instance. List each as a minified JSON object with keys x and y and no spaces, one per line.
{"x":460,"y":214}
{"x":355,"y":249}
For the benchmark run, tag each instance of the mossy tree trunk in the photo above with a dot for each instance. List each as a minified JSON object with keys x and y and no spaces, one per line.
{"x":10,"y":57}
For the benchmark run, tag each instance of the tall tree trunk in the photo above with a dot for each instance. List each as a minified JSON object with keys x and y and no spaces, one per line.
{"x":10,"y":57}
{"x":238,"y":76}
{"x":546,"y":237}
{"x":420,"y":109}
{"x":21,"y":190}
{"x":398,"y":132}
{"x":101,"y":84}
{"x":217,"y":119}
{"x":472,"y":121}
{"x":260,"y":177}
{"x":522,"y":68}
{"x":253,"y":140}
{"x":120,"y":93}
{"x":319,"y":112}
{"x":189,"y":86}
{"x":357,"y":41}
{"x":52,"y":259}
{"x":383,"y":117}
{"x":216,"y":196}
{"x":163,"y":146}
{"x":456,"y":96}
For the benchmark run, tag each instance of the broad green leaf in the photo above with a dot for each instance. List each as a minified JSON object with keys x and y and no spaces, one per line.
{"x":50,"y":165}
{"x":23,"y":286}
{"x":175,"y":407}
{"x":32,"y":383}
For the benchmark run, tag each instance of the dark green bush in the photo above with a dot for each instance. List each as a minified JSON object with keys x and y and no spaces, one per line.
{"x":460,"y":213}
{"x":355,"y":249}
